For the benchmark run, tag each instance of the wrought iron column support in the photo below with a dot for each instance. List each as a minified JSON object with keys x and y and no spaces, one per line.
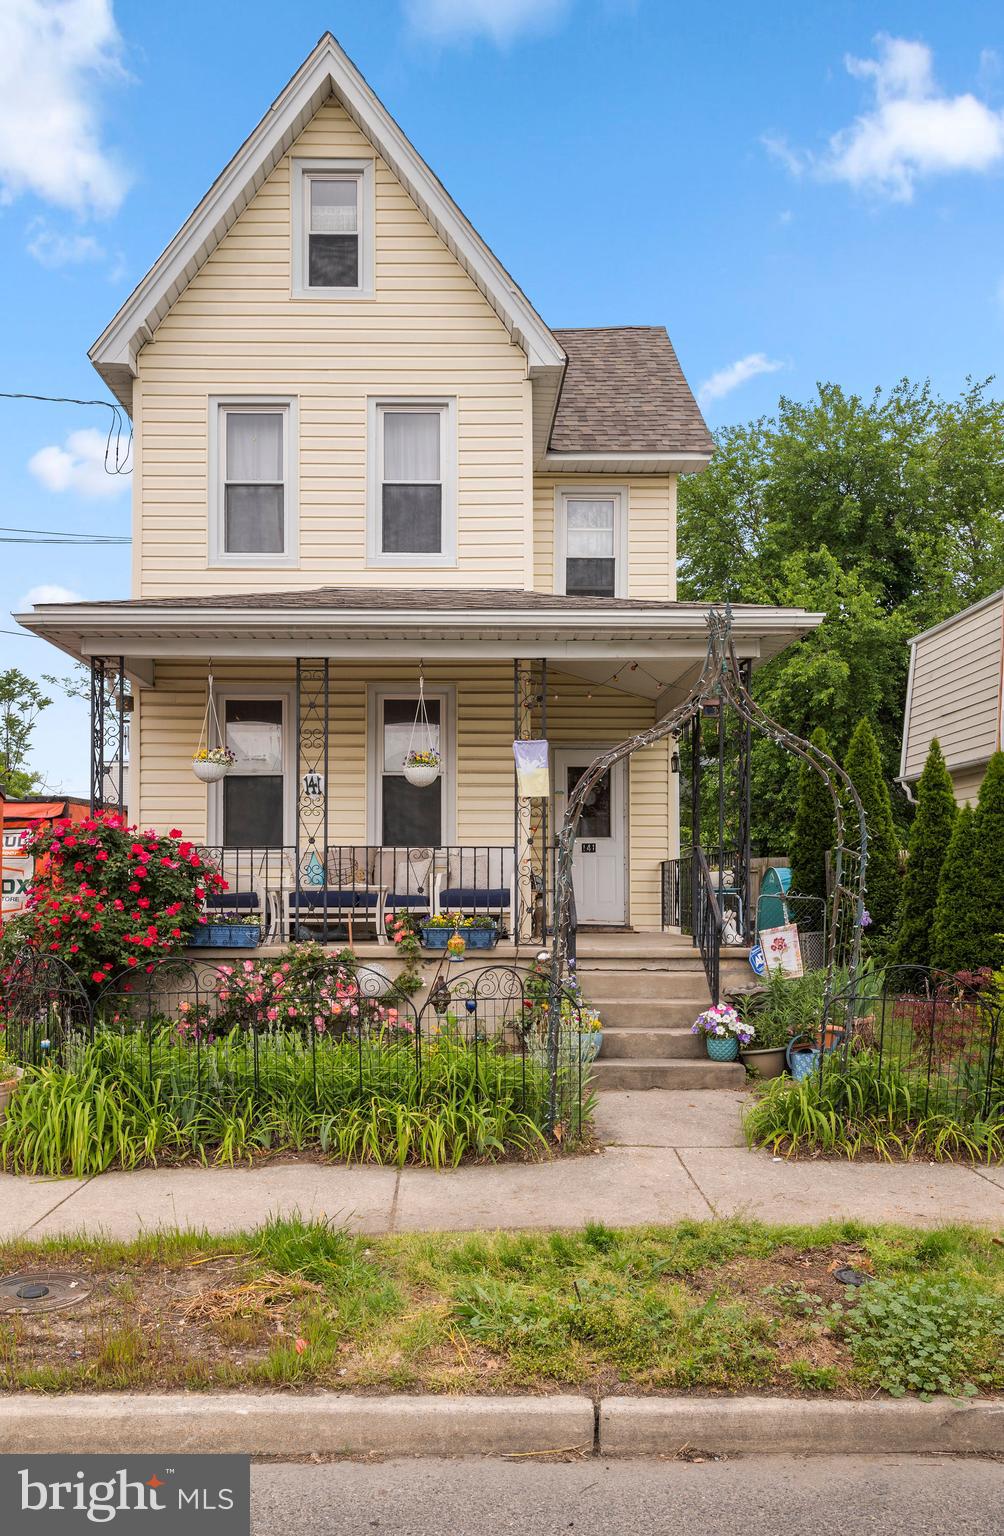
{"x":313,"y":698}
{"x":530,"y":817}
{"x":108,"y":734}
{"x":743,"y":875}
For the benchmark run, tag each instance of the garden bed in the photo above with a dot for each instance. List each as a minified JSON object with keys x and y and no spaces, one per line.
{"x":726,"y":1307}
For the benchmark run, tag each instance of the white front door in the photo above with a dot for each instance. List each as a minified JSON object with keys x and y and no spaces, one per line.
{"x":599,"y":861}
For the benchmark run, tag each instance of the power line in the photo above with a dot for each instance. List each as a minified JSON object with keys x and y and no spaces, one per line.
{"x":116,"y":458}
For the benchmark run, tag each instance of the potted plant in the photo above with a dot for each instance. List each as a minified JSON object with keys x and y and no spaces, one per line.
{"x":210,"y":764}
{"x":226,"y":931}
{"x":479,"y":930}
{"x":767,"y":1057}
{"x":10,"y":1077}
{"x":422,"y":767}
{"x":723,"y":1030}
{"x":585,"y":1027}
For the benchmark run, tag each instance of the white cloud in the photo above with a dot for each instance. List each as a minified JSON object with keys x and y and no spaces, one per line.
{"x":727,"y":379}
{"x":500,"y":20}
{"x":78,"y":466}
{"x":48,"y":593}
{"x":912,"y":129}
{"x":54,"y":248}
{"x":56,"y":56}
{"x":780,"y":149}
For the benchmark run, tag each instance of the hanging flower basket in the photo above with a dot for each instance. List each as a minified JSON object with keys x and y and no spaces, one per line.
{"x":210,"y":764}
{"x":422,"y":768}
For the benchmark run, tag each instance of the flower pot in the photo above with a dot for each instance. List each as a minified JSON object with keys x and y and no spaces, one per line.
{"x":769,"y":1061}
{"x":226,"y":936}
{"x":474,"y":938}
{"x":8,"y":1088}
{"x":590,"y":1041}
{"x":209,"y":773}
{"x":722,"y":1047}
{"x":421,"y":774}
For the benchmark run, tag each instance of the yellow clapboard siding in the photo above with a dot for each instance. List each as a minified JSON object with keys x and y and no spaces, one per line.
{"x":651,"y":530}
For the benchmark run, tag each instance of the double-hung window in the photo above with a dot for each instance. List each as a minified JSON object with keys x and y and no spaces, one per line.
{"x":411,"y":477}
{"x":252,"y":792}
{"x":332,"y":229}
{"x":252,"y":485}
{"x":591,"y":543}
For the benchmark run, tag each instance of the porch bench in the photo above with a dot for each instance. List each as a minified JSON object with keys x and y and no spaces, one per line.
{"x":320,"y":905}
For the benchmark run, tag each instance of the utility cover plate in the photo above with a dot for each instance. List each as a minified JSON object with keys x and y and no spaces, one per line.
{"x":43,"y":1291}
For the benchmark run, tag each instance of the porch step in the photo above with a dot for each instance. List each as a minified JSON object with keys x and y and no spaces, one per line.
{"x":621,"y":1044}
{"x":619,"y":986}
{"x":649,"y":1072}
{"x":638,"y":1013}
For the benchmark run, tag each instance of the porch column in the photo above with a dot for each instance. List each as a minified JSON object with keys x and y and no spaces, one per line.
{"x":745,"y":817}
{"x":310,"y":859}
{"x":108,"y":734}
{"x":530,"y":817}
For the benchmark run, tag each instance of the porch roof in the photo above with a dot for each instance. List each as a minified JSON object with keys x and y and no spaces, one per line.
{"x":583,"y":634}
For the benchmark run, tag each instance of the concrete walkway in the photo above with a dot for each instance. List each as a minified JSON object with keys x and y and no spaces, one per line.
{"x":666,"y":1156}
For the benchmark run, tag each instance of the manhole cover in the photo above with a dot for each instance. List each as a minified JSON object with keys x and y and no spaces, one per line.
{"x":46,"y":1292}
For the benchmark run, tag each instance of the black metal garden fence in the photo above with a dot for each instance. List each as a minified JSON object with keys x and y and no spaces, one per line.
{"x":935,"y":1035}
{"x":310,"y":1028}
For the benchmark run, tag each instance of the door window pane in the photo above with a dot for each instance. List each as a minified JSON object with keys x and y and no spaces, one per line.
{"x":254,"y":734}
{"x":252,"y":811}
{"x":596,"y":819}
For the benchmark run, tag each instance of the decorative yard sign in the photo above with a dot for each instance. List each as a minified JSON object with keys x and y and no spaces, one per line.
{"x":532,"y":776}
{"x":782,"y":950}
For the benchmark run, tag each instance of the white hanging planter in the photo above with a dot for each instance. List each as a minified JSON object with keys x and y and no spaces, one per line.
{"x":421,"y":774}
{"x":208,"y":771}
{"x":211,"y":764}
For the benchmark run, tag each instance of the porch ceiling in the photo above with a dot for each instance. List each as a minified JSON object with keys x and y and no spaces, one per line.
{"x":588,"y":636}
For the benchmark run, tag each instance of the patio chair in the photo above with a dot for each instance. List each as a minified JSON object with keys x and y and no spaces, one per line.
{"x":478,"y":880}
{"x":349,"y":896}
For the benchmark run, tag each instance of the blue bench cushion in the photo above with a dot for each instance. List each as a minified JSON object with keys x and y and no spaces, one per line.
{"x":332,"y":900}
{"x":421,"y":902}
{"x":233,"y":901}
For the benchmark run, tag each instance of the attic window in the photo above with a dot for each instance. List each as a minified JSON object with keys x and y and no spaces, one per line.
{"x":332,"y":229}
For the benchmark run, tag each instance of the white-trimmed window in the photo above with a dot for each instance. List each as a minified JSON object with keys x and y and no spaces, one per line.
{"x":591,"y":542}
{"x":411,"y":483}
{"x":252,"y":483}
{"x":332,"y":229}
{"x":253,"y":795}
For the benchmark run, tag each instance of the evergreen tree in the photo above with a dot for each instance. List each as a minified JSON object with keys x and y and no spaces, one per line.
{"x":864,"y":769}
{"x":814,"y":830}
{"x":989,"y":864}
{"x":929,"y":838}
{"x":955,"y":939}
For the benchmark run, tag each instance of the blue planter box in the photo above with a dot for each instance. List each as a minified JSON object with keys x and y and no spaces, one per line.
{"x":226,"y":936}
{"x":474,"y":938}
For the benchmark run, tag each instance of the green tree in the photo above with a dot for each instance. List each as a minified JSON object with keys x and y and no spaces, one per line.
{"x":988,"y":865}
{"x":864,"y":769}
{"x":21,"y":703}
{"x":955,"y":934}
{"x":930,"y":836}
{"x":814,"y":829}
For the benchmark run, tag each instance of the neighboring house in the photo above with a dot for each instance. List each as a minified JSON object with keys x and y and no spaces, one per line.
{"x":358,"y":450}
{"x":954,"y":693}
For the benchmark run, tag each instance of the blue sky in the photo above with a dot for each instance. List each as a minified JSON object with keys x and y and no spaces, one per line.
{"x":799,"y":193}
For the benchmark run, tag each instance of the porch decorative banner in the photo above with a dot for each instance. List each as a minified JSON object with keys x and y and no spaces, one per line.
{"x":782,"y":950}
{"x":533,"y":778}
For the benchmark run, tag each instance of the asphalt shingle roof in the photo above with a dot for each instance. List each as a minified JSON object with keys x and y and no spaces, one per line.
{"x":624,"y":391}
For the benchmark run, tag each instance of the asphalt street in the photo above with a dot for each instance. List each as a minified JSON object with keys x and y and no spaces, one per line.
{"x":750,"y":1496}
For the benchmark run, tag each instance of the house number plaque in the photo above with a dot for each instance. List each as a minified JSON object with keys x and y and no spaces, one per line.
{"x":312,"y":785}
{"x":589,"y":847}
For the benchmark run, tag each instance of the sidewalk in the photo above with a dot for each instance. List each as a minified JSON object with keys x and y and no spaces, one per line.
{"x":666,"y":1156}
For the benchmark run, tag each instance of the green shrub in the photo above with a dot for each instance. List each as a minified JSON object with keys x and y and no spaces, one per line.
{"x":955,"y":933}
{"x":863,"y":765}
{"x":814,"y":829}
{"x":930,"y":836}
{"x":989,"y":865}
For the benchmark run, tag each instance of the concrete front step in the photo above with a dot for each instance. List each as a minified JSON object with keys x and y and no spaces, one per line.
{"x":654,"y":1073}
{"x":650,"y":1045}
{"x":618,"y":986}
{"x":635,"y":1013}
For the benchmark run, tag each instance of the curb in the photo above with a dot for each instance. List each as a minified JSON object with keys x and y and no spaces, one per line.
{"x":328,"y":1423}
{"x":665,"y":1426}
{"x":331,"y":1424}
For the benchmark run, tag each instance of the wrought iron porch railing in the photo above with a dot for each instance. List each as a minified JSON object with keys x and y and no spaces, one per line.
{"x":708,"y":921}
{"x":344,"y":891}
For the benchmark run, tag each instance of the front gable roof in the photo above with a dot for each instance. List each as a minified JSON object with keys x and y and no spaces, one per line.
{"x":326,"y":72}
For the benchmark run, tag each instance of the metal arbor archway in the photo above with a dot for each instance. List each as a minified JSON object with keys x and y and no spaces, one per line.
{"x":722,"y":680}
